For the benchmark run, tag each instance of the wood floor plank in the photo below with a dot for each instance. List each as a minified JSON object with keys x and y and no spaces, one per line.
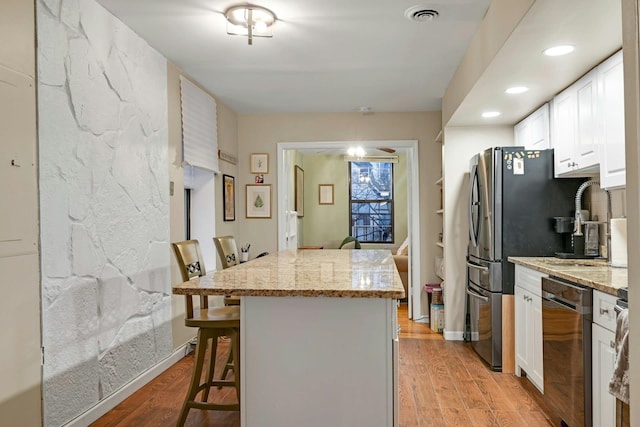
{"x":456,"y":417}
{"x":482,"y":418}
{"x":442,"y":383}
{"x":471,"y":396}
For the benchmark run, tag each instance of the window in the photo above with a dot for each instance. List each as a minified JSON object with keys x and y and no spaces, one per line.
{"x":371,"y":201}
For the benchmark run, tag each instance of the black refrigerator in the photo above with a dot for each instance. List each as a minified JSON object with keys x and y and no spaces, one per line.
{"x":513,"y":197}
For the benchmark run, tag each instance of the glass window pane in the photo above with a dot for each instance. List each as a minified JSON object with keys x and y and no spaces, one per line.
{"x":372,"y":221}
{"x":371,"y":181}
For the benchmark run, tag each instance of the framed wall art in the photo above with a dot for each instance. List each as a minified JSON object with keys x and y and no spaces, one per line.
{"x":229,"y":197}
{"x":258,"y":200}
{"x":259,"y":163}
{"x":325,"y":194}
{"x":299,"y":190}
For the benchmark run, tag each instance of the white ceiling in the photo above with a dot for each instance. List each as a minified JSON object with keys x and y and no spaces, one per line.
{"x":325,"y":55}
{"x":338,"y":55}
{"x":594,"y":27}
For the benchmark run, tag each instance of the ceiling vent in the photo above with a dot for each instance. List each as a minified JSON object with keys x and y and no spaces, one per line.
{"x":421,"y":14}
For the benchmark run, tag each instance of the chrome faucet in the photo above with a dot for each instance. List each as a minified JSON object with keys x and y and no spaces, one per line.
{"x":577,"y":229}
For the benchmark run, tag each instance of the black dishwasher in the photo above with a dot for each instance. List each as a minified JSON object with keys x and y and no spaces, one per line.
{"x":566,"y":337}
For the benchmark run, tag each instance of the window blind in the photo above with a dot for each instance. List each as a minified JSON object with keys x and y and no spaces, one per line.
{"x":199,"y":127}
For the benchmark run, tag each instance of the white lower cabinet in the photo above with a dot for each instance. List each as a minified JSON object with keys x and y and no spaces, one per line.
{"x":528,"y":325}
{"x":603,"y":360}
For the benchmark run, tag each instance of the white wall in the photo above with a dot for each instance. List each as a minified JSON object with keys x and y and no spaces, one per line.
{"x":460,"y":144}
{"x":103,"y":206}
{"x":260,"y":133}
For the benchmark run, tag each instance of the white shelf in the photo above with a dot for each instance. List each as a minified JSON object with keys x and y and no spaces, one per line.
{"x":440,"y":211}
{"x":439,"y":182}
{"x":440,"y":244}
{"x":440,"y":276}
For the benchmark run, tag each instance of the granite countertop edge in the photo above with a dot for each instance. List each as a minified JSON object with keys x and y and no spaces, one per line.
{"x":595,"y":274}
{"x":392,"y":294}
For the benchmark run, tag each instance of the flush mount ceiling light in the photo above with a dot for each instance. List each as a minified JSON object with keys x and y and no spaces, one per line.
{"x":250,"y":21}
{"x":559,"y":50}
{"x":516,"y":90}
{"x":490,"y":114}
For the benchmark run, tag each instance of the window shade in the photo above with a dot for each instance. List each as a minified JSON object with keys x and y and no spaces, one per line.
{"x":199,"y":127}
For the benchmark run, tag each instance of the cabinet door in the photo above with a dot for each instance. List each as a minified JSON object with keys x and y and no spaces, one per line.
{"x":521,"y":133}
{"x":611,"y":133}
{"x":563,"y":130}
{"x":536,"y":368}
{"x":538,"y":138}
{"x":522,"y":329}
{"x":603,"y":360}
{"x":586,"y":148}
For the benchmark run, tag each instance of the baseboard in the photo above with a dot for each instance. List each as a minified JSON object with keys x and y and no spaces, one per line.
{"x":453,"y":335}
{"x":110,"y":402}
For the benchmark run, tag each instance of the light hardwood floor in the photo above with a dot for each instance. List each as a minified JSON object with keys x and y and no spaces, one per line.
{"x":442,"y":383}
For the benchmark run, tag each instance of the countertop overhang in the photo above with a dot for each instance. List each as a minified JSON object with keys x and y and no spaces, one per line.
{"x":593,"y":273}
{"x":365,"y":273}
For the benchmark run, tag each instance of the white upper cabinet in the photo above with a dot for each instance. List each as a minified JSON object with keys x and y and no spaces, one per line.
{"x":587,"y":126}
{"x":574,"y":128}
{"x":533,"y":131}
{"x":611,"y":123}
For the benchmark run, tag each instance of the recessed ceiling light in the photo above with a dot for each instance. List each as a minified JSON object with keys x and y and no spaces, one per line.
{"x":559,"y":50}
{"x":516,"y":89}
{"x":490,"y":114}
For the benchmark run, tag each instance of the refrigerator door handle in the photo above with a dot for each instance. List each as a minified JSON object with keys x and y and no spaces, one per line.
{"x":475,"y":295}
{"x":476,"y":266}
{"x":472,"y":183}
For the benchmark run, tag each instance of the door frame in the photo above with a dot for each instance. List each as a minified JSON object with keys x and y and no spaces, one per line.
{"x":410,"y":147}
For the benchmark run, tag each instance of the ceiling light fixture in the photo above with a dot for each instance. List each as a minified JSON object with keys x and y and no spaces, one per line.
{"x":559,"y":50}
{"x":490,"y":114}
{"x":356,"y":152}
{"x":516,"y":90}
{"x":250,"y":21}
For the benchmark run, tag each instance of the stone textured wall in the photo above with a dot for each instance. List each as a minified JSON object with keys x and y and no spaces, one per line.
{"x":104,"y":205}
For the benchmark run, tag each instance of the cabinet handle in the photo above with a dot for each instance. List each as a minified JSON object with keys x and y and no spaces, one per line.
{"x":612,"y":344}
{"x":604,"y":311}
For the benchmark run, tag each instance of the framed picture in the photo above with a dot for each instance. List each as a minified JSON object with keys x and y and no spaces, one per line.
{"x":229,"y":197}
{"x":299,"y":190}
{"x":259,"y":163}
{"x":258,"y":200}
{"x":325,"y":194}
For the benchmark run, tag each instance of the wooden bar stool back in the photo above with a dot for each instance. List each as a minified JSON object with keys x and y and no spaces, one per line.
{"x":228,"y":253}
{"x":212,"y":323}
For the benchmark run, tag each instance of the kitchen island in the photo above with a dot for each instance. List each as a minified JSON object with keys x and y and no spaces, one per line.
{"x":318,"y":336}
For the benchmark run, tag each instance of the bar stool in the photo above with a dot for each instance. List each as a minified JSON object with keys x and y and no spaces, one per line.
{"x":212,"y":323}
{"x":228,"y":253}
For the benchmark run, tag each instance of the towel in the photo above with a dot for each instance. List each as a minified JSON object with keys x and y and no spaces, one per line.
{"x":619,"y":384}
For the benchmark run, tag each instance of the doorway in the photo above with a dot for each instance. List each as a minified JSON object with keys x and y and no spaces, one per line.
{"x":286,"y":153}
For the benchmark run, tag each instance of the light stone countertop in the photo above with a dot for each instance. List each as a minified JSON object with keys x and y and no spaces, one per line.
{"x":593,"y":273}
{"x":364,"y":273}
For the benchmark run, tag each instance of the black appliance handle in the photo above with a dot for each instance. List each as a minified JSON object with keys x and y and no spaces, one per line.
{"x":476,"y":295}
{"x":560,"y":301}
